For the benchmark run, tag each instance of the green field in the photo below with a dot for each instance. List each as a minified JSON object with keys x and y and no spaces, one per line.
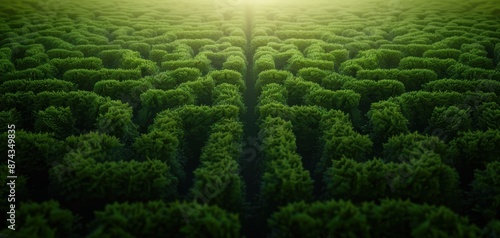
{"x":240,"y":118}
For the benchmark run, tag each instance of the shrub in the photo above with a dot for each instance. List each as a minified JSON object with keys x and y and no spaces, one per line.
{"x":443,"y":54}
{"x":141,"y":47}
{"x":84,"y":79}
{"x":272,"y":93}
{"x":389,"y":218}
{"x":449,"y":120}
{"x":312,"y":74}
{"x":127,"y":91}
{"x":345,"y":100}
{"x":31,"y":61}
{"x":439,"y":66}
{"x":339,"y":140}
{"x":21,"y":102}
{"x":397,"y":218}
{"x":76,"y":178}
{"x":335,"y":81}
{"x":476,"y":61}
{"x":235,"y":63}
{"x":486,"y":190}
{"x":157,"y":55}
{"x":488,"y":116}
{"x":230,"y":77}
{"x":159,"y":100}
{"x":160,"y":219}
{"x":63,"y":54}
{"x":281,"y":164}
{"x":271,"y":76}
{"x":320,"y":219}
{"x":50,"y":42}
{"x":132,"y":61}
{"x":99,"y":146}
{"x":228,"y":94}
{"x":418,"y":106}
{"x":491,"y":229}
{"x":373,"y":180}
{"x":403,"y":147}
{"x":10,"y":116}
{"x":455,"y":42}
{"x":94,"y":50}
{"x":462,"y":86}
{"x":238,"y":41}
{"x":218,"y":172}
{"x":84,"y":105}
{"x":66,"y":64}
{"x":374,"y":91}
{"x":45,"y":219}
{"x":386,"y":120}
{"x":298,"y":89}
{"x":461,"y":71}
{"x":195,"y":44}
{"x":6,"y":66}
{"x":36,"y":86}
{"x":57,"y":120}
{"x":113,"y":58}
{"x":182,"y":75}
{"x":162,"y":145}
{"x":31,"y":73}
{"x":263,"y":63}
{"x":259,"y":41}
{"x":202,"y":89}
{"x":296,"y":63}
{"x":36,"y":153}
{"x":305,"y":121}
{"x":473,"y":150}
{"x":115,"y":118}
{"x":201,"y":62}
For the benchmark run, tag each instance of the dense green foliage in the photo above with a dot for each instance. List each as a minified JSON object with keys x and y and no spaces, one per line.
{"x":216,"y":118}
{"x":159,"y":219}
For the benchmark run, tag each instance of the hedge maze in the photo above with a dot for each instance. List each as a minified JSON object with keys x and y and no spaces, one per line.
{"x":213,"y":118}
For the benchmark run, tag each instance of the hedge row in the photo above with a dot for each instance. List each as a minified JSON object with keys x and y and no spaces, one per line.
{"x":49,"y":112}
{"x":284,"y":179}
{"x":151,"y":219}
{"x":217,"y":180}
{"x":390,"y":218}
{"x":338,"y":140}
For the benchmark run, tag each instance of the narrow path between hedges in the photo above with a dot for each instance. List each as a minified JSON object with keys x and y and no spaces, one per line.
{"x":251,"y":144}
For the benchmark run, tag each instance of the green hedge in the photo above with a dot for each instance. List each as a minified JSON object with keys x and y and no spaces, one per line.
{"x":44,"y":219}
{"x":36,"y":86}
{"x":159,"y":219}
{"x":374,"y":179}
{"x":472,"y":150}
{"x":217,"y":180}
{"x":57,"y":120}
{"x":486,"y":191}
{"x":271,"y":76}
{"x":86,"y":79}
{"x":390,"y":218}
{"x":401,"y":148}
{"x":284,"y":179}
{"x":81,"y":178}
{"x":345,"y":100}
{"x":386,"y":120}
{"x":338,"y":140}
{"x":374,"y":91}
{"x":412,"y":79}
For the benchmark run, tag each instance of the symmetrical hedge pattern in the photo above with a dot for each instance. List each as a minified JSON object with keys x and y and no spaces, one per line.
{"x":361,"y":118}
